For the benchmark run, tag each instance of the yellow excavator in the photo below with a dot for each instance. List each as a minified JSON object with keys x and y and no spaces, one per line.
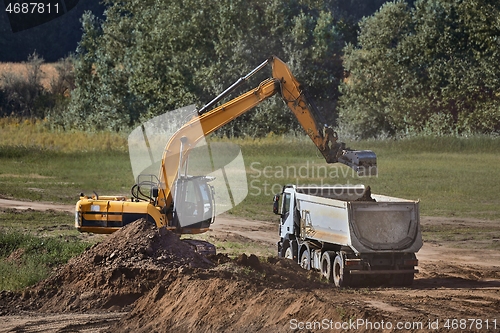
{"x":166,"y":203}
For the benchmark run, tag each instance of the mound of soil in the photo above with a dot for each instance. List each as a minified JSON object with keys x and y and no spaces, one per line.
{"x":164,"y":286}
{"x":111,"y":274}
{"x":243,"y":296}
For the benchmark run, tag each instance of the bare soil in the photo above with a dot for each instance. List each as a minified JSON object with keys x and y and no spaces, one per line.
{"x":138,"y":280}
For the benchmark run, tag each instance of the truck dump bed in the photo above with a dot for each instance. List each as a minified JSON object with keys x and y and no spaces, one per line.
{"x":366,"y":223}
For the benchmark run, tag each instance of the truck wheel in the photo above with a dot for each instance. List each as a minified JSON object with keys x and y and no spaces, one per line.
{"x":305,"y":260}
{"x":327,"y":265}
{"x":288,"y":253}
{"x":289,"y":250}
{"x":340,"y":277}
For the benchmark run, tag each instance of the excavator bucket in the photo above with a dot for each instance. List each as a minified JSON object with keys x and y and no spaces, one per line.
{"x":364,"y":162}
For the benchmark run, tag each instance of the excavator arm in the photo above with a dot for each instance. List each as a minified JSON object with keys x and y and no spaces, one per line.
{"x":364,"y":162}
{"x":178,"y":147}
{"x":282,"y":82}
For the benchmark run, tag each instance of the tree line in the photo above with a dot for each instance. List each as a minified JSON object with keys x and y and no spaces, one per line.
{"x":432,"y":68}
{"x":373,"y":68}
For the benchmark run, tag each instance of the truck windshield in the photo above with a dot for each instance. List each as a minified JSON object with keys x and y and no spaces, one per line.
{"x":286,"y":206}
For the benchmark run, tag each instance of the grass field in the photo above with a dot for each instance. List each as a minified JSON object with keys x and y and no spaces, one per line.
{"x":451,"y":176}
{"x":32,"y":244}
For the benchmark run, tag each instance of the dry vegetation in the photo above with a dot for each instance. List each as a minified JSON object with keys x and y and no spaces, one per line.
{"x":27,"y":133}
{"x":49,"y":71}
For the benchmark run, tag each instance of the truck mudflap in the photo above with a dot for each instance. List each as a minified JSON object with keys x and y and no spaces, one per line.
{"x":395,"y":269}
{"x":385,"y":271}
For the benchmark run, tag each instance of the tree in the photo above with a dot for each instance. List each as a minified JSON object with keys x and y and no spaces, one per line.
{"x":149,"y":57}
{"x":431,"y":68}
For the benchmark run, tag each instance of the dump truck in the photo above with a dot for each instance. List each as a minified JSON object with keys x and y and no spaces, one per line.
{"x":349,"y":234}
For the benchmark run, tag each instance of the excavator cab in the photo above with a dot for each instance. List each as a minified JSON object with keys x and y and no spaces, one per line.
{"x":194,"y":204}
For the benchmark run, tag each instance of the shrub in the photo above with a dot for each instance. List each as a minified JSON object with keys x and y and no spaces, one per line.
{"x":21,"y":93}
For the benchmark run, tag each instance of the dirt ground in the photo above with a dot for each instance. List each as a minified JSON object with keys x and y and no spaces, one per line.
{"x":139,"y":281}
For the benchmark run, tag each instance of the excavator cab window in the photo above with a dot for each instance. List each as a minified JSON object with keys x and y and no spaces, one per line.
{"x":194,"y":202}
{"x":190,"y":200}
{"x":208,"y":200}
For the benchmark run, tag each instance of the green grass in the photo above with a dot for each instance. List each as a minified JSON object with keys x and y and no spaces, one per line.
{"x":450,"y":176}
{"x":234,"y":247}
{"x":46,"y":175}
{"x":41,"y":164}
{"x":33,"y":243}
{"x":31,"y":220}
{"x":26,"y":259}
{"x":463,"y":236}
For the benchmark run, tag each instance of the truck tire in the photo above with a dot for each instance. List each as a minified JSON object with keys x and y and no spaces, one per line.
{"x":340,"y":277}
{"x":289,"y":250}
{"x":286,"y":250}
{"x":305,"y":260}
{"x":327,"y":260}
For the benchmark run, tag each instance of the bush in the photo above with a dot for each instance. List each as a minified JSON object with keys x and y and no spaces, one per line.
{"x":22,"y":93}
{"x":23,"y":96}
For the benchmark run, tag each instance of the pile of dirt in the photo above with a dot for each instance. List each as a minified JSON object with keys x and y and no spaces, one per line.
{"x":111,"y":274}
{"x":242,"y":296}
{"x":164,"y":285}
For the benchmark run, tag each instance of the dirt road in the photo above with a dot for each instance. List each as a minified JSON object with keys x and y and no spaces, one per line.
{"x":457,"y":289}
{"x":84,"y":323}
{"x":41,"y":206}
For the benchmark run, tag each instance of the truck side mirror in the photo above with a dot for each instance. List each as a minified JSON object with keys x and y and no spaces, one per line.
{"x":276,"y":200}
